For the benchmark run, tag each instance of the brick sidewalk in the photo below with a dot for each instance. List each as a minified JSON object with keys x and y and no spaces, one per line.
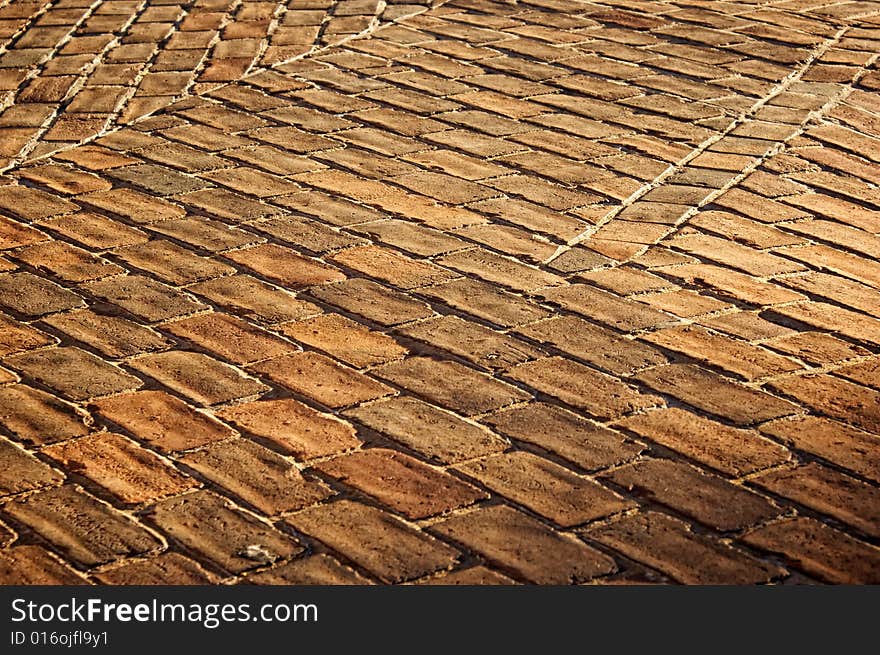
{"x":544,"y":291}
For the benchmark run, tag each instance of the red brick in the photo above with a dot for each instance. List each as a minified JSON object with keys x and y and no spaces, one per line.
{"x":499,"y":270}
{"x":162,"y":420}
{"x":316,"y":569}
{"x":345,"y":339}
{"x":36,"y":417}
{"x":134,"y":205}
{"x":197,"y":376}
{"x":16,"y":337}
{"x":171,"y":263}
{"x":709,"y":499}
{"x":73,"y":372}
{"x":379,"y":542}
{"x":20,"y":471}
{"x":545,"y":488}
{"x":114,"y":336}
{"x":834,"y":397}
{"x":733,"y":451}
{"x":322,"y":379}
{"x":34,"y":565}
{"x":95,"y":231}
{"x":440,"y":436}
{"x":230,"y":338}
{"x":826,"y":316}
{"x":257,"y":475}
{"x":212,"y":529}
{"x":825,"y":490}
{"x":516,"y":543}
{"x":486,"y":301}
{"x":85,"y":530}
{"x":165,"y":569}
{"x":670,"y":546}
{"x":285,"y":265}
{"x":65,"y":179}
{"x":254,"y":299}
{"x":402,"y":483}
{"x":391,"y":267}
{"x":622,"y":313}
{"x":451,"y":385}
{"x":32,"y":204}
{"x":66,"y":262}
{"x":145,"y":298}
{"x":14,"y":234}
{"x":819,"y":550}
{"x":292,"y":427}
{"x":33,"y":296}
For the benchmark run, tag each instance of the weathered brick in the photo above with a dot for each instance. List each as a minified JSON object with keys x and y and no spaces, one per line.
{"x":167,"y":568}
{"x":230,"y":338}
{"x":622,"y":313}
{"x":826,"y":316}
{"x":212,"y":529}
{"x":402,"y":483}
{"x":84,"y":529}
{"x":451,"y":385}
{"x":715,"y":394}
{"x":733,"y":451}
{"x":499,"y":270}
{"x":257,"y":475}
{"x":172,"y":263}
{"x":670,"y":546}
{"x":32,"y":204}
{"x":391,"y":267}
{"x":486,"y":301}
{"x":20,"y":471}
{"x":134,"y":205}
{"x":69,"y":263}
{"x":292,"y":427}
{"x":95,"y":231}
{"x":145,"y":298}
{"x":254,"y":299}
{"x":834,"y":397}
{"x":162,"y":420}
{"x":113,"y":336}
{"x":65,"y":179}
{"x":709,"y":499}
{"x":74,"y":373}
{"x":284,"y":265}
{"x":323,"y":379}
{"x":316,"y":569}
{"x":36,"y":417}
{"x":819,"y":550}
{"x":518,"y":544}
{"x":345,"y":339}
{"x":197,"y":376}
{"x":34,"y":565}
{"x":475,"y":575}
{"x":33,"y":296}
{"x":379,"y":542}
{"x":16,"y":337}
{"x":14,"y":234}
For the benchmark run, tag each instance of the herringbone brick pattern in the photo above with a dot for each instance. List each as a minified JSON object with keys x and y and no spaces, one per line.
{"x":545,"y":291}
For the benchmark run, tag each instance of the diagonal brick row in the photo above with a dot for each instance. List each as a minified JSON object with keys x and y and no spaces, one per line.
{"x":538,"y":292}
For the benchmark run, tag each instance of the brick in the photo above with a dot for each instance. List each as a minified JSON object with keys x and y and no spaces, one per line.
{"x":866,"y":372}
{"x":230,"y":338}
{"x":545,"y":488}
{"x":621,"y":313}
{"x":85,"y":530}
{"x":451,"y":385}
{"x":729,"y":253}
{"x":14,"y":234}
{"x":564,"y":434}
{"x":475,"y":575}
{"x":825,"y":490}
{"x":316,"y":569}
{"x":66,"y":262}
{"x":17,"y":337}
{"x":199,"y":377}
{"x":145,"y":298}
{"x":834,"y":397}
{"x":32,"y":204}
{"x":500,"y":270}
{"x":374,"y":540}
{"x":212,"y":529}
{"x":733,"y":451}
{"x":36,"y":417}
{"x":65,"y":179}
{"x":391,"y":267}
{"x":285,"y":266}
{"x":74,"y":373}
{"x":401,"y":483}
{"x":709,"y":499}
{"x":598,"y":346}
{"x":516,"y":543}
{"x":417,"y":239}
{"x":130,"y":473}
{"x":257,"y":475}
{"x":818,"y":348}
{"x":292,"y":427}
{"x":850,"y":293}
{"x":596,"y":393}
{"x":20,"y":471}
{"x":206,"y":234}
{"x":95,"y":231}
{"x":481,"y":346}
{"x":33,"y":296}
{"x":819,"y":550}
{"x":34,"y":565}
{"x":826,"y":316}
{"x":669,"y":545}
{"x":346,"y":340}
{"x":715,"y":394}
{"x":486,"y":301}
{"x":305,"y":234}
{"x":221,"y":203}
{"x":136,"y":206}
{"x":172,"y":263}
{"x":167,"y":568}
{"x":113,"y":336}
{"x":532,"y":217}
{"x":373,"y":301}
{"x":162,"y":420}
{"x":747,"y":361}
{"x":254,"y":299}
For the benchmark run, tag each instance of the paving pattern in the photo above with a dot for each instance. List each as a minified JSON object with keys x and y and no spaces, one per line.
{"x":545,"y":291}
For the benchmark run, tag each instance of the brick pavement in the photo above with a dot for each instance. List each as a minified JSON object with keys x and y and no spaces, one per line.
{"x":544,"y":292}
